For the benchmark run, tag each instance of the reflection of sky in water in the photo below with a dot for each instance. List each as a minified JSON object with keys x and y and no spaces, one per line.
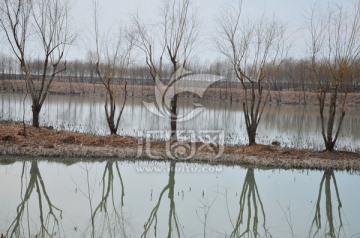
{"x":294,"y":126}
{"x":282,"y":193}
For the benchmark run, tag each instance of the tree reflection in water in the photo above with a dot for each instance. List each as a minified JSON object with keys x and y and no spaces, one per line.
{"x":49,"y":223}
{"x":173,"y":218}
{"x":249,"y":202}
{"x":316,"y":225}
{"x":112,"y":224}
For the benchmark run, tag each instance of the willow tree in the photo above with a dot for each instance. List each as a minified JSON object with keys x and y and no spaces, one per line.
{"x":113,"y":54}
{"x":335,"y":49}
{"x":42,"y":25}
{"x":178,"y":33}
{"x":255,"y":49}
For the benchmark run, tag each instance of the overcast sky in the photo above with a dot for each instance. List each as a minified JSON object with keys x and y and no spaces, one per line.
{"x":112,"y":12}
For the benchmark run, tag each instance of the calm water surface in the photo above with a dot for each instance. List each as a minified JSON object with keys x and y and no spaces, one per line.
{"x":293,"y":126}
{"x":121,"y":199}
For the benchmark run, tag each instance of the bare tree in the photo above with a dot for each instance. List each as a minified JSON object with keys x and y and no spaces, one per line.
{"x":43,"y":25}
{"x":255,"y":50}
{"x":335,"y":48}
{"x":179,"y":32}
{"x":112,"y":53}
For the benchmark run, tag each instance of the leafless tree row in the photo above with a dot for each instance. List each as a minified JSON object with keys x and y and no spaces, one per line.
{"x":293,"y":75}
{"x":255,"y":51}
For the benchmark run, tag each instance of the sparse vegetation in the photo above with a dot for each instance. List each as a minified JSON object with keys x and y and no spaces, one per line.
{"x":62,"y":145}
{"x":257,"y":69}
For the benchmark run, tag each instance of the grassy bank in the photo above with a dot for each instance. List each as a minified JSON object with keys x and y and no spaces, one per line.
{"x":62,"y":146}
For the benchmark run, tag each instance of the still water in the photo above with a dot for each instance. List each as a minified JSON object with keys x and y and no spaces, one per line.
{"x":142,"y":199}
{"x":293,"y":126}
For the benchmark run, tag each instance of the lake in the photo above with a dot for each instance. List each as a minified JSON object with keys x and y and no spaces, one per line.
{"x":168,"y":199}
{"x":294,"y":126}
{"x":173,"y":199}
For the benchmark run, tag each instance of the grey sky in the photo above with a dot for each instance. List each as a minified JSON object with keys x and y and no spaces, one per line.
{"x":291,"y":12}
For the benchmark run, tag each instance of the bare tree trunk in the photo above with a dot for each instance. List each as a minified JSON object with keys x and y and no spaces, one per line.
{"x":173,"y":123}
{"x":253,"y":112}
{"x":328,"y":137}
{"x":173,"y":109}
{"x":36,"y":108}
{"x":110,"y":102}
{"x":252,"y":134}
{"x":332,"y":112}
{"x":110,"y":117}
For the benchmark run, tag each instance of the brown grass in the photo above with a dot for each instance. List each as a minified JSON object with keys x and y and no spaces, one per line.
{"x":13,"y":133}
{"x":43,"y":142}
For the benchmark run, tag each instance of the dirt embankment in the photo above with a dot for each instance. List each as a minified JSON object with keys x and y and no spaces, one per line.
{"x":46,"y":143}
{"x":234,"y":94}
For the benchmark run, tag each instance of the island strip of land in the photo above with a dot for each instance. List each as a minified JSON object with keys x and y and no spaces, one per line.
{"x":70,"y":147}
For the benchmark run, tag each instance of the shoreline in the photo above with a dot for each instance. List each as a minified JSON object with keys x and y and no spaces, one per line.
{"x":283,"y":97}
{"x":70,"y":147}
